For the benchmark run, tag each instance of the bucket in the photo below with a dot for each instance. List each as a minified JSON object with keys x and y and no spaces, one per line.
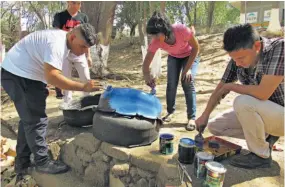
{"x":200,"y":160}
{"x":186,"y":151}
{"x":166,"y":143}
{"x":215,"y":174}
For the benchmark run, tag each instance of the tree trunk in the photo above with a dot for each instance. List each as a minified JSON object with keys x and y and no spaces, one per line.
{"x":211,"y":8}
{"x":39,"y":15}
{"x":102,"y":20}
{"x":195,"y":13}
{"x":151,"y":8}
{"x":162,"y":7}
{"x":187,"y":7}
{"x":140,"y":21}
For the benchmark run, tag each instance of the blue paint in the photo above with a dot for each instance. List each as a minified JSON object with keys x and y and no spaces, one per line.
{"x":132,"y":102}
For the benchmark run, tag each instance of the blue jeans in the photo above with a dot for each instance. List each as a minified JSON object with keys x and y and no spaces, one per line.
{"x":174,"y":68}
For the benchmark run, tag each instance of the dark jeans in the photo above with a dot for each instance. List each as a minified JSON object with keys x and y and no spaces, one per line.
{"x":174,"y":69}
{"x":29,"y":97}
{"x":58,"y":92}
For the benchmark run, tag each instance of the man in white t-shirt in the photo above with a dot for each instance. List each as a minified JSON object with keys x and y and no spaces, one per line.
{"x":27,"y":68}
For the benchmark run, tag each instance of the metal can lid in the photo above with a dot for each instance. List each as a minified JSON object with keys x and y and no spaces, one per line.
{"x":215,"y":167}
{"x":187,"y":142}
{"x":205,"y":155}
{"x":167,"y":136}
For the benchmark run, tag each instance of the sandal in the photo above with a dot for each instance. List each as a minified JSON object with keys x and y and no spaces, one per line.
{"x":190,"y":125}
{"x":168,"y":117}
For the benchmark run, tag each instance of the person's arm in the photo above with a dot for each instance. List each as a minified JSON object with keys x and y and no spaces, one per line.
{"x":146,"y":70}
{"x":147,"y":61}
{"x":230,"y":75}
{"x":263,"y":91}
{"x":54,"y":76}
{"x":194,"y":52}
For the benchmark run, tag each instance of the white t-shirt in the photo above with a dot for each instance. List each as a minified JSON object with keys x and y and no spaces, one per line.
{"x":27,"y":57}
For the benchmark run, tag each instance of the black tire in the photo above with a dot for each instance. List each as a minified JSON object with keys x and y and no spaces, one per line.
{"x":124,"y":131}
{"x":78,"y":118}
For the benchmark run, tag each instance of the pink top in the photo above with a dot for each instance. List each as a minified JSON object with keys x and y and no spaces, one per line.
{"x":181,"y":48}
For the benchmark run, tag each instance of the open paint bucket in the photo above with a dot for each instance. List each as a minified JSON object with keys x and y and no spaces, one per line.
{"x":200,"y":160}
{"x":215,"y":174}
{"x":166,"y":143}
{"x":186,"y":151}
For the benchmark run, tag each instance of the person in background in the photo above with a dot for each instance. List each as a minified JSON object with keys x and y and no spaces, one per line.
{"x":258,"y":112}
{"x":182,"y":46}
{"x":28,"y":66}
{"x":67,"y":20}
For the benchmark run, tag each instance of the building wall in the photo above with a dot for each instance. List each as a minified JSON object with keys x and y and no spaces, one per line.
{"x":260,"y":7}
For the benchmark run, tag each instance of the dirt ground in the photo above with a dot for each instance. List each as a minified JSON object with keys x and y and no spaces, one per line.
{"x":125,"y":60}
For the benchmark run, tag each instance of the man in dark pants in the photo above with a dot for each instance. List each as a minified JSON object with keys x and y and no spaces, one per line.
{"x":67,"y":20}
{"x":27,"y":68}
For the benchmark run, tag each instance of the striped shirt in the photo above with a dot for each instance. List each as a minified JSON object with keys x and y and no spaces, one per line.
{"x":270,"y":63}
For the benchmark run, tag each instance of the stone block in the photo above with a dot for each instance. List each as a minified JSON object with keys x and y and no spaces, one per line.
{"x":120,"y":170}
{"x":120,"y":153}
{"x":87,"y":141}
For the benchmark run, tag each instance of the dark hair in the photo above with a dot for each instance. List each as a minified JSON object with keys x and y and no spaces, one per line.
{"x":240,"y":37}
{"x":159,"y":23}
{"x":88,"y":33}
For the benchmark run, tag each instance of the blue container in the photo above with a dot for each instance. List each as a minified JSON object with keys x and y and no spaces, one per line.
{"x":186,"y":151}
{"x":166,"y":143}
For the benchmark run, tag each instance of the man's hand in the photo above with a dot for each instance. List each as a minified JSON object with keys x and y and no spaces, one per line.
{"x":149,"y":80}
{"x":186,"y":76}
{"x":202,"y":122}
{"x":89,"y":60}
{"x":92,"y":86}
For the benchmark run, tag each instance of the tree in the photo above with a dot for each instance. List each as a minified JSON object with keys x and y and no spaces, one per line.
{"x":211,"y":8}
{"x":102,"y":20}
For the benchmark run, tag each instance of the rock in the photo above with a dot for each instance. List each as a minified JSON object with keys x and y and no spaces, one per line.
{"x":68,"y":153}
{"x":152,"y":183}
{"x":120,"y":170}
{"x":142,"y":183}
{"x":145,"y":163}
{"x":136,"y":178}
{"x":97,"y":173}
{"x":115,"y":182}
{"x":27,"y":181}
{"x":116,"y":152}
{"x":132,"y":185}
{"x":126,"y":180}
{"x":55,"y":150}
{"x":106,"y":158}
{"x":133,"y":171}
{"x":145,"y":174}
{"x":87,"y":141}
{"x":84,"y":155}
{"x":97,"y":156}
{"x":70,"y":157}
{"x":168,"y":174}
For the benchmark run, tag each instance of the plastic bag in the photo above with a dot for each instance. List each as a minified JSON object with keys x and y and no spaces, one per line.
{"x":155,"y":66}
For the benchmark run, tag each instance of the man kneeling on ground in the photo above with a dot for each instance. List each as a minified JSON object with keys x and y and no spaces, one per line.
{"x":258,"y":112}
{"x":27,"y":68}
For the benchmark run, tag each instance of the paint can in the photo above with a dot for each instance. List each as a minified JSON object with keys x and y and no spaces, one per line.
{"x":199,"y":163}
{"x":215,"y":174}
{"x":166,"y":143}
{"x":186,"y":151}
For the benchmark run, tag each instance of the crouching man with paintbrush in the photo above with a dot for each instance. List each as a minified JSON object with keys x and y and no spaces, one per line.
{"x":258,"y":112}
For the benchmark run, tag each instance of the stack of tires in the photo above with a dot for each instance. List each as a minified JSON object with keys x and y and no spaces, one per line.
{"x":127,"y":117}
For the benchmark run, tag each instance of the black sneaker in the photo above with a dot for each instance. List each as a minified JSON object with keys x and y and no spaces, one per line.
{"x":250,"y":161}
{"x":53,"y":167}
